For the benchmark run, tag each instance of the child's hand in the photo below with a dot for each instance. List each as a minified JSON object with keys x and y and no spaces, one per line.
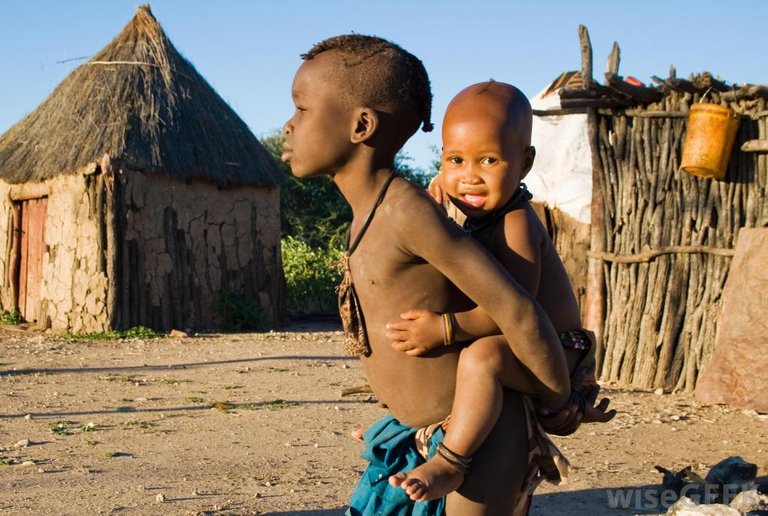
{"x":435,"y":189}
{"x":417,"y":332}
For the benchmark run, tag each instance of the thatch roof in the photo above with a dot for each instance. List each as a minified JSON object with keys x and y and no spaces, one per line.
{"x":139,"y":101}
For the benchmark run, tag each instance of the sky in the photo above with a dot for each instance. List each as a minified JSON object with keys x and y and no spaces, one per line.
{"x":249,"y":50}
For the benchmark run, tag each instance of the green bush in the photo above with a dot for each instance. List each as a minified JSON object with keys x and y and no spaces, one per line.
{"x":311,"y":277}
{"x":11,"y":316}
{"x":241,"y":312}
{"x":137,"y":332}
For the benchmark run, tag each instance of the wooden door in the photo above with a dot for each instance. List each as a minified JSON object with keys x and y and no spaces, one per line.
{"x":31,"y":235}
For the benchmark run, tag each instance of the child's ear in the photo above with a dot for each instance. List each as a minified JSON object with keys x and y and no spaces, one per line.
{"x":529,"y":155}
{"x":365,"y":123}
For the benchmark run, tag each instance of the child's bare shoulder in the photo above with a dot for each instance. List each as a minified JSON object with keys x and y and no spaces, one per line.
{"x":415,"y":219}
{"x":409,"y":203}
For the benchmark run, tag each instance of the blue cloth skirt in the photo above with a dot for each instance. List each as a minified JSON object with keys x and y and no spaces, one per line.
{"x":391,"y":448}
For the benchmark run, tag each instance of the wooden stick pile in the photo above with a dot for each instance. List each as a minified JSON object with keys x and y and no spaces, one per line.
{"x":668,"y":236}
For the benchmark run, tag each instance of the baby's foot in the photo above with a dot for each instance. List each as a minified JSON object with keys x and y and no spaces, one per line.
{"x":430,"y":481}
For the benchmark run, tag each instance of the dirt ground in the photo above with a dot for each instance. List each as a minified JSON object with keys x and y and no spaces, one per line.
{"x":257,"y":424}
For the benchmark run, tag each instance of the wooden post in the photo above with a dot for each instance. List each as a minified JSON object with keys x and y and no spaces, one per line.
{"x":755,"y":146}
{"x":586,"y":57}
{"x":614,"y":59}
{"x":594,"y":317}
{"x":13,"y":259}
{"x":112,"y":238}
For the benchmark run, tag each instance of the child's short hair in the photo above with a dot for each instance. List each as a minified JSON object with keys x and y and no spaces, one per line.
{"x":382,"y":75}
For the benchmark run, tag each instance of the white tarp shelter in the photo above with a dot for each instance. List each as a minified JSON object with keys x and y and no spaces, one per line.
{"x":561,"y":175}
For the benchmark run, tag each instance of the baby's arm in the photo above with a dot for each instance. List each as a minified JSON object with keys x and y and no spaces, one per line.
{"x":420,"y":331}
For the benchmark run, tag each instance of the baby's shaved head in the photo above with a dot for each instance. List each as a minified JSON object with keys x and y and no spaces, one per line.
{"x":502,"y":103}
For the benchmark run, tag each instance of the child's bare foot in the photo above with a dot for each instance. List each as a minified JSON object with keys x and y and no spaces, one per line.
{"x":430,"y":481}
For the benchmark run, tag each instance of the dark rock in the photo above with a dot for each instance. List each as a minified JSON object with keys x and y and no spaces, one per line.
{"x":729,"y":477}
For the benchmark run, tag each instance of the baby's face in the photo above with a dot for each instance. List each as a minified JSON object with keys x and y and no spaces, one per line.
{"x":482,"y":164}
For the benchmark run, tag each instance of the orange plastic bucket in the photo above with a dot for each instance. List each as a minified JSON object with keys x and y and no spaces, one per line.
{"x":711,"y":132}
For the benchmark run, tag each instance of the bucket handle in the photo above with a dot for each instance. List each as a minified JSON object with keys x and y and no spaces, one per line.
{"x":701,"y":100}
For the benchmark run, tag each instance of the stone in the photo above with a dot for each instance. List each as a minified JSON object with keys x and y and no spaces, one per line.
{"x":735,"y":374}
{"x":729,"y":477}
{"x":747,"y":501}
{"x":179,"y":334}
{"x":687,"y":507}
{"x":733,"y":470}
{"x":22,"y":443}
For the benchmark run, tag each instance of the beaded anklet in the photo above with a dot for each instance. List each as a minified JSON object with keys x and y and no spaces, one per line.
{"x":458,"y":462}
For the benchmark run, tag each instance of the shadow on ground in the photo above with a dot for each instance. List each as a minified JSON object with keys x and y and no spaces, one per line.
{"x":602,"y":501}
{"x":171,"y":367}
{"x":222,"y":406}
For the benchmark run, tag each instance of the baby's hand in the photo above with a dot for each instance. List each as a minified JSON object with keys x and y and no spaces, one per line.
{"x":435,"y":189}
{"x":570,"y":417}
{"x":417,"y":332}
{"x":564,"y":422}
{"x":597,"y":413}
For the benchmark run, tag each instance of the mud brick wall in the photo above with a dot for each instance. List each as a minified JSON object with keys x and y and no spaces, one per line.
{"x":183,"y":245}
{"x":72,"y":291}
{"x":123,"y":248}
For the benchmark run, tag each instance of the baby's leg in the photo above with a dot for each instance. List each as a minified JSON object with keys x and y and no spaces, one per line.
{"x":498,"y":468}
{"x":485,"y":368}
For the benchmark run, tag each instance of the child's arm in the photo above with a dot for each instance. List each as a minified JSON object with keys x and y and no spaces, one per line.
{"x":420,"y":331}
{"x":423,"y":232}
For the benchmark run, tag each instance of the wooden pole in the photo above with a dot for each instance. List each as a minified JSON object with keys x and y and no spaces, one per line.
{"x":595,"y":300}
{"x":112,"y":239}
{"x":13,"y":261}
{"x":755,"y":146}
{"x":614,"y":59}
{"x":586,"y":57}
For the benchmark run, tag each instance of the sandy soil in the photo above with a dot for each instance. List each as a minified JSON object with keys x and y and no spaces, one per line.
{"x":256,"y":424}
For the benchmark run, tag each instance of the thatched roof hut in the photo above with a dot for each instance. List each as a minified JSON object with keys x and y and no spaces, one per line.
{"x":660,"y":241}
{"x":135,"y":195}
{"x":140,"y":101}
